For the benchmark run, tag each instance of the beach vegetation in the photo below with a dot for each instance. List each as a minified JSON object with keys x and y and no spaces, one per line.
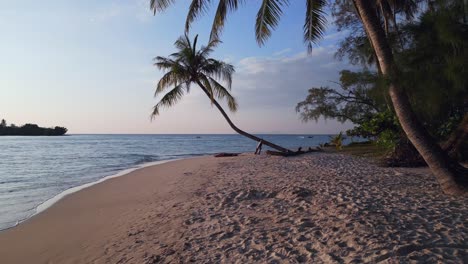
{"x":30,"y":130}
{"x":379,"y":22}
{"x":337,"y":140}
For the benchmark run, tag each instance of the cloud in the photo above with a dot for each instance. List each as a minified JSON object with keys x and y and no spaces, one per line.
{"x":283,"y":81}
{"x":134,"y":9}
{"x":107,"y":14}
{"x":282,"y":52}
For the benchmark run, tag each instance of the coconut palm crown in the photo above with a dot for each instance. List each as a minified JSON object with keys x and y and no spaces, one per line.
{"x":189,"y":65}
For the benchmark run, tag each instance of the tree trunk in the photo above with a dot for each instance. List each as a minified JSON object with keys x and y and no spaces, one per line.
{"x":238,"y":130}
{"x":452,"y":177}
{"x":457,"y":140}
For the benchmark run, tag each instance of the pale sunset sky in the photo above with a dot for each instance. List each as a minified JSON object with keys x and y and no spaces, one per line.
{"x":87,"y":65}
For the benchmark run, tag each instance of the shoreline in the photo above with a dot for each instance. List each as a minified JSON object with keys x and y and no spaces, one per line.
{"x":94,"y":212}
{"x":50,"y":202}
{"x":56,"y":198}
{"x":314,"y":208}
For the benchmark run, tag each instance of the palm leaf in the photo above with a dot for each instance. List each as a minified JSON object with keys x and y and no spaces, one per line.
{"x":183,"y":42}
{"x":314,"y":26}
{"x":169,"y":79}
{"x":194,"y":48}
{"x":196,"y":8}
{"x":267,"y":18}
{"x":221,"y":92}
{"x":219,"y":70}
{"x":224,"y":6}
{"x":168,"y":100}
{"x":164,"y":63}
{"x":189,"y":65}
{"x":207,"y":85}
{"x":160,"y":5}
{"x":206,"y":50}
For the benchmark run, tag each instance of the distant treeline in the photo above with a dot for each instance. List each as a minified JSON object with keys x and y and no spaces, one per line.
{"x":30,"y":130}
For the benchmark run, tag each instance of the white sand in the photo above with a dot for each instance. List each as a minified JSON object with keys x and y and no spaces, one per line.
{"x":317,"y":208}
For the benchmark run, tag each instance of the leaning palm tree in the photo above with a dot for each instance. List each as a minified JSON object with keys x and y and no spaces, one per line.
{"x":452,"y":177}
{"x":190,"y":66}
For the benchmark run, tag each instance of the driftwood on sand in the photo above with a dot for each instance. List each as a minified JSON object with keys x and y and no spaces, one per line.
{"x":272,"y":152}
{"x":293,"y":153}
{"x":221,"y":155}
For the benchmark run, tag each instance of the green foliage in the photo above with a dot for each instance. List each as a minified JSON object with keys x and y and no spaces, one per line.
{"x":434,"y":66}
{"x":360,"y":96}
{"x":383,"y":127}
{"x":447,"y":127}
{"x":388,"y":139}
{"x":431,"y":53}
{"x":31,"y":130}
{"x":337,"y":141}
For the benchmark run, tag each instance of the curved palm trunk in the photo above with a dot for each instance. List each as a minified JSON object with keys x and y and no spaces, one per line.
{"x":238,"y":130}
{"x":452,"y":177}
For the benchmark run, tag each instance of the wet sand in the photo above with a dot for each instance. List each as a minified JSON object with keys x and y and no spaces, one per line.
{"x":316,"y":208}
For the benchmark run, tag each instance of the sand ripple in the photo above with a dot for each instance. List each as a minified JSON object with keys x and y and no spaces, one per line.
{"x":318,"y":208}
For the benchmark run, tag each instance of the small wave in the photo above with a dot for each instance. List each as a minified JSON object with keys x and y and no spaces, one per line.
{"x":15,"y":180}
{"x":145,"y":159}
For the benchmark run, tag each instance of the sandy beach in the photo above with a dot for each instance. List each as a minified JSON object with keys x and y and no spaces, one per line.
{"x":317,"y":208}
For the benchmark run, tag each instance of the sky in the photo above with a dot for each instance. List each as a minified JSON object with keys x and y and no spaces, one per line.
{"x":87,"y":65}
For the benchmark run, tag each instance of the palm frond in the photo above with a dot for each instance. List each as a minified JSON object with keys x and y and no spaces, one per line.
{"x":267,"y":18}
{"x":168,"y":100}
{"x":160,"y":5}
{"x":221,"y":92}
{"x":189,"y":65}
{"x":164,"y":63}
{"x":169,"y":79}
{"x":206,"y":50}
{"x":315,"y":22}
{"x":188,"y":83}
{"x":194,"y":48}
{"x":207,"y":86}
{"x":224,"y":6}
{"x":183,"y":42}
{"x":197,"y":7}
{"x":219,"y":70}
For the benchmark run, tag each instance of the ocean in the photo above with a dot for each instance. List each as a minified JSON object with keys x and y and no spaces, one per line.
{"x":34,"y":170}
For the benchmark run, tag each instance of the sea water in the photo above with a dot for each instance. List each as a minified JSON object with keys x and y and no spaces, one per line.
{"x":33,"y":170}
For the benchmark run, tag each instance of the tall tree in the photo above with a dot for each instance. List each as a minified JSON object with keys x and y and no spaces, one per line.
{"x":452,"y":177}
{"x":190,"y":65}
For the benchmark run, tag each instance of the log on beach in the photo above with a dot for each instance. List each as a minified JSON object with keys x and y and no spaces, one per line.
{"x":221,"y":155}
{"x":293,"y":153}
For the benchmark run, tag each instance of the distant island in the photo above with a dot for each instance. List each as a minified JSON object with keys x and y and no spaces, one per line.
{"x":30,"y":130}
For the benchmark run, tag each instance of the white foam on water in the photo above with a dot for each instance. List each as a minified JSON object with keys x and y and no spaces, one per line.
{"x":48,"y":203}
